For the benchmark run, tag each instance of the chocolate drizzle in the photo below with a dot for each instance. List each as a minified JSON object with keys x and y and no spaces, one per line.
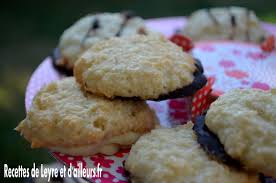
{"x":233,"y":20}
{"x":93,"y":27}
{"x":127,"y":16}
{"x":95,"y":24}
{"x":212,"y":17}
{"x":233,"y":24}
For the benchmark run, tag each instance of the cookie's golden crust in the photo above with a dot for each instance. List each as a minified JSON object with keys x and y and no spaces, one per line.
{"x":61,"y":115}
{"x":245,"y":122}
{"x":137,"y":66}
{"x":173,"y":155}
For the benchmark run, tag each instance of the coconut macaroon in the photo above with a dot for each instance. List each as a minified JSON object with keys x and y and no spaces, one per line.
{"x":145,"y":67}
{"x":93,"y":28}
{"x":244,"y":120}
{"x":65,"y":119}
{"x":173,"y":155}
{"x":226,"y":23}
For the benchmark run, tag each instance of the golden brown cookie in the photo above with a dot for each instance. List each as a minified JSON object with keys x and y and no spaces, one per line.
{"x":244,"y":120}
{"x":173,"y":155}
{"x":64,"y":118}
{"x":145,"y":67}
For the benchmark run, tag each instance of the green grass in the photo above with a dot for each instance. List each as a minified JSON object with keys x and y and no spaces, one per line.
{"x":269,"y":17}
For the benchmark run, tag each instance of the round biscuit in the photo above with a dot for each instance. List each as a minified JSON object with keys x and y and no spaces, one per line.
{"x":146,"y":67}
{"x":173,"y":155}
{"x":62,"y":116}
{"x":245,"y":122}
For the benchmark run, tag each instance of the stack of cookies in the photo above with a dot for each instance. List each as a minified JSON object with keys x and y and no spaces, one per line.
{"x":102,"y":108}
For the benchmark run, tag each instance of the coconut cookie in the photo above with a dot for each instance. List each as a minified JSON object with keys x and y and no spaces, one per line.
{"x":227,"y":23}
{"x":91,"y":29}
{"x":145,"y":67}
{"x":65,"y":119}
{"x":173,"y":155}
{"x":245,"y":123}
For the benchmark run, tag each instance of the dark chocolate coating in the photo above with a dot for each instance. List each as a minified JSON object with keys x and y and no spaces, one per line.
{"x":211,"y":144}
{"x":55,"y":56}
{"x":199,"y":67}
{"x":199,"y":81}
{"x":186,"y":91}
{"x":213,"y":147}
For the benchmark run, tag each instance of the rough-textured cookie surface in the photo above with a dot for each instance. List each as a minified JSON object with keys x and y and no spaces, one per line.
{"x":173,"y":155}
{"x":138,"y":66}
{"x":231,"y":23}
{"x":94,"y":28}
{"x":245,"y":122}
{"x":62,"y":117}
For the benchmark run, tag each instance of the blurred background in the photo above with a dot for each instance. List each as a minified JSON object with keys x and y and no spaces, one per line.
{"x":30,"y":30}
